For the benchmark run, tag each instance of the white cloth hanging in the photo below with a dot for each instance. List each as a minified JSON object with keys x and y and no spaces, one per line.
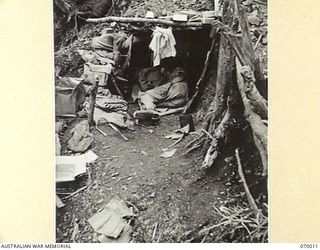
{"x":162,"y":44}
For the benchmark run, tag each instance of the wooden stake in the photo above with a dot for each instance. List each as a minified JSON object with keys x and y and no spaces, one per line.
{"x":92,"y":102}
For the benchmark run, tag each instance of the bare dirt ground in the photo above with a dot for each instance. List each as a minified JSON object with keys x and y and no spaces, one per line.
{"x":172,"y":193}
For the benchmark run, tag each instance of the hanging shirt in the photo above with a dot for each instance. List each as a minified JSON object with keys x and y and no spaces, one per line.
{"x":162,"y":44}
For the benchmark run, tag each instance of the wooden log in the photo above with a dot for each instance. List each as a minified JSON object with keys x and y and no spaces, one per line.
{"x":223,"y":83}
{"x":218,"y":112}
{"x":110,"y":19}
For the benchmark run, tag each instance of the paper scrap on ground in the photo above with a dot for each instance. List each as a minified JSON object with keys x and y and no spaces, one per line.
{"x":59,"y":202}
{"x":110,"y":221}
{"x":69,"y":166}
{"x":89,"y":157}
{"x":168,"y":154}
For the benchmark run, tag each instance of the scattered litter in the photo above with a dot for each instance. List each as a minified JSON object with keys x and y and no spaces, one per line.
{"x":179,"y":133}
{"x":152,"y":195}
{"x":67,"y":171}
{"x":168,"y":154}
{"x":174,"y":136}
{"x":89,"y":157}
{"x":144,"y":153}
{"x":82,"y":138}
{"x":125,"y":177}
{"x":68,"y":167}
{"x":59,"y":202}
{"x":150,"y":14}
{"x":111,"y":220}
{"x":180,"y":18}
{"x":115,"y":174}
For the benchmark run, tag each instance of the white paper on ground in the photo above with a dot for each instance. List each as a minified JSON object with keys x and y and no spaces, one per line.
{"x":168,"y":154}
{"x":70,"y":166}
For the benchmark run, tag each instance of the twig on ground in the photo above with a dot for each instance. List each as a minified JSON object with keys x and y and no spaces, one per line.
{"x":129,"y":203}
{"x":257,"y":43}
{"x":154,"y":231}
{"x":159,"y":238}
{"x":104,"y":134}
{"x":74,"y":193}
{"x":176,"y":142}
{"x":117,"y":130}
{"x":199,"y":145}
{"x":204,"y":238}
{"x":257,"y":1}
{"x":208,"y":229}
{"x":208,"y":134}
{"x":114,"y":128}
{"x":251,"y":201}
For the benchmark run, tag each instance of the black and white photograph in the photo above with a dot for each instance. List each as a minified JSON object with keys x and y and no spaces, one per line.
{"x":161,"y":121}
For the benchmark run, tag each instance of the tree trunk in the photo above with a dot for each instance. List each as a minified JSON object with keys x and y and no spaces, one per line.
{"x":220,"y":116}
{"x":253,"y":103}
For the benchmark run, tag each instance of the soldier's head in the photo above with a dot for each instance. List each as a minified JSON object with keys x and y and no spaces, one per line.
{"x":179,"y":72}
